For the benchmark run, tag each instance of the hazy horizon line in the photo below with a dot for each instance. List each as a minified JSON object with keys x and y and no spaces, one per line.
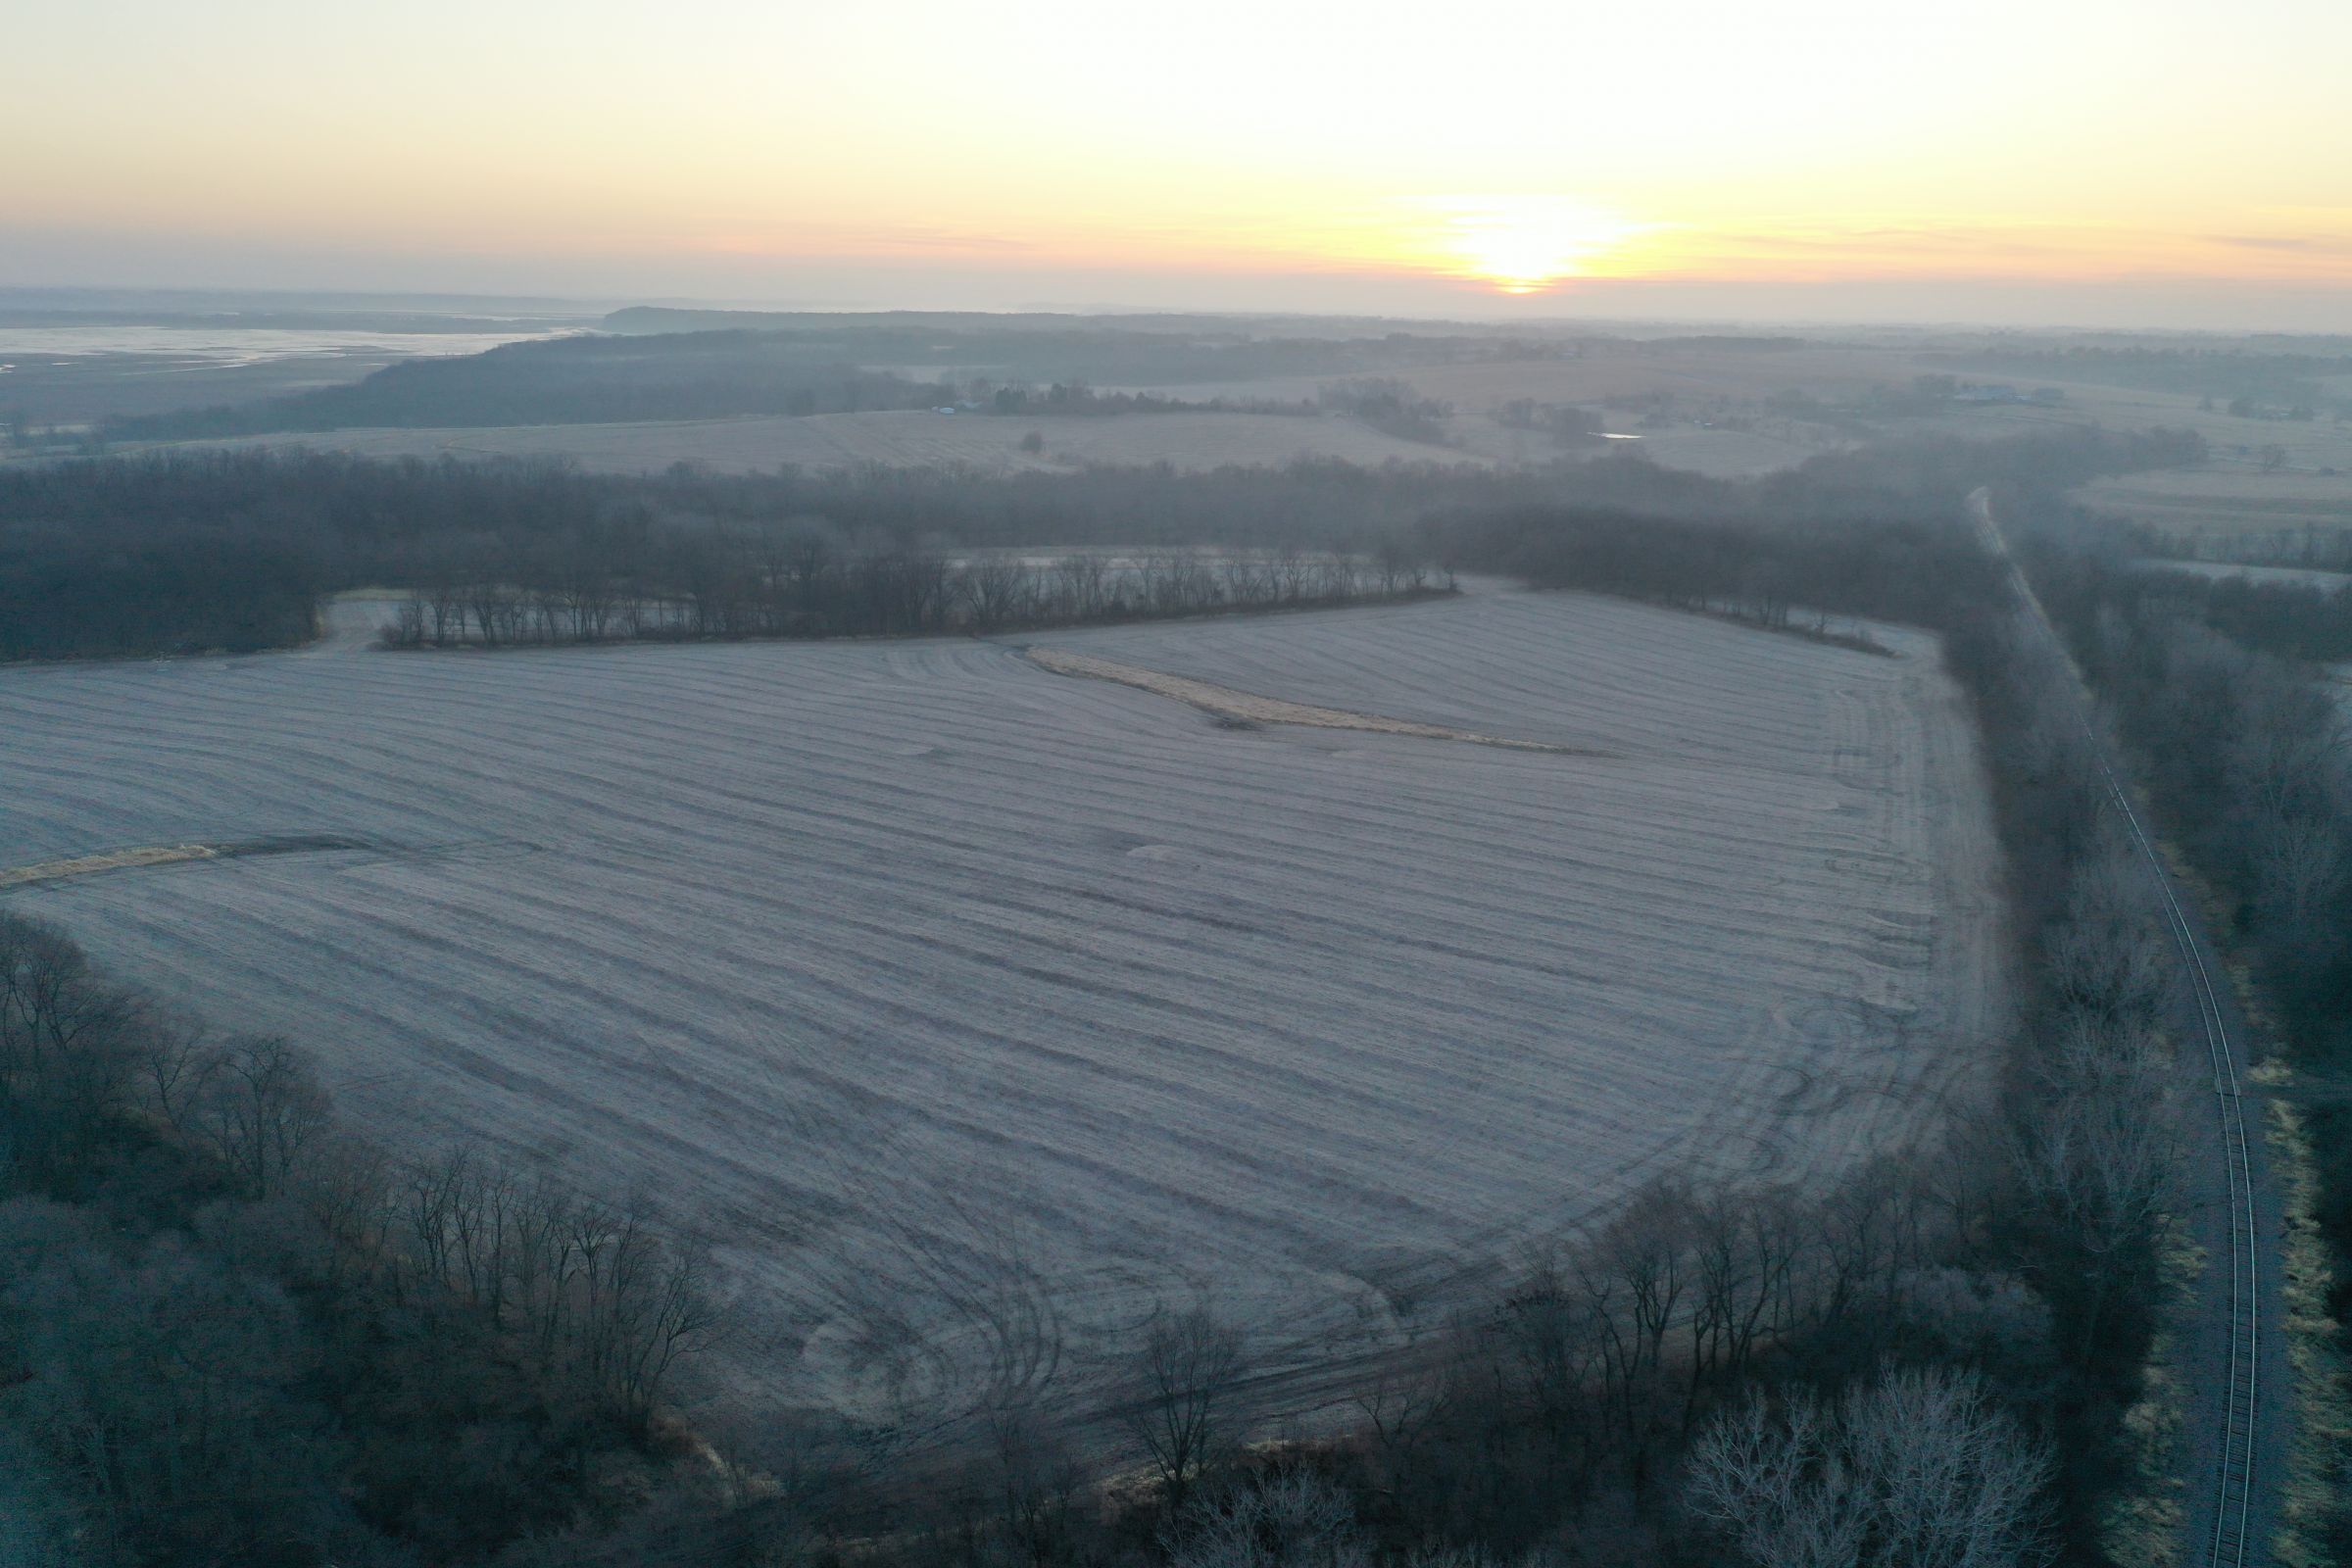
{"x":162,"y":298}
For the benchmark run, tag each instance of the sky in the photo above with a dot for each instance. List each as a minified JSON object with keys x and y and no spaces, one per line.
{"x":2158,"y":162}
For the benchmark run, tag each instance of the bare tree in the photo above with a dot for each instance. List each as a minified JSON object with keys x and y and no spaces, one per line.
{"x":1951,"y":1481}
{"x":2300,"y":863}
{"x":1296,"y":1520}
{"x":1188,"y":1365}
{"x":997,"y":591}
{"x":258,"y":1110}
{"x":348,"y":1190}
{"x":1919,"y":1470}
{"x":1034,"y":1486}
{"x":1082,"y":576}
{"x":1553,"y":1341}
{"x":1635,"y":1273}
{"x":1293,"y":573}
{"x":1772,"y":1486}
{"x":1402,"y":1403}
{"x":1745,"y":1246}
{"x":661,"y":1312}
{"x":71,"y":1046}
{"x":2095,"y":1155}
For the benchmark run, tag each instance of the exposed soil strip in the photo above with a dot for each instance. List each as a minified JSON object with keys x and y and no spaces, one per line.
{"x":44,"y":871}
{"x":1227,"y":704}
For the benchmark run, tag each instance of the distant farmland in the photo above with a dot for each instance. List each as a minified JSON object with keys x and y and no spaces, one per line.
{"x":902,"y":439}
{"x":973,"y":1007}
{"x":2233,"y":509}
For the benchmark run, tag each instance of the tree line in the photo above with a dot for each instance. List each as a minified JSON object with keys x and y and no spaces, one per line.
{"x":1915,"y":571}
{"x":731,"y":585}
{"x":153,"y":592}
{"x":188,"y":552}
{"x":2301,"y":622}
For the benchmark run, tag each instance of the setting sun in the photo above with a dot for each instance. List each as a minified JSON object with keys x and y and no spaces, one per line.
{"x":1522,"y":243}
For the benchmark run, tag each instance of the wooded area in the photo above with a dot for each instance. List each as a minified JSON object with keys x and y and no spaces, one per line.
{"x":186,"y":551}
{"x":474,"y":1355}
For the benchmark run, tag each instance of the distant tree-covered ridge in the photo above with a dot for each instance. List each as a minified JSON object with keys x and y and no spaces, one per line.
{"x":720,"y":364}
{"x":571,"y":380}
{"x":710,"y":375}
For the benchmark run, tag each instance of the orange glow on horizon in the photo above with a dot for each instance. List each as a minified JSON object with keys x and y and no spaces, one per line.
{"x":1816,"y":141}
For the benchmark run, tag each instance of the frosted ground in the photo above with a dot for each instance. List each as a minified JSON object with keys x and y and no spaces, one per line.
{"x":974,"y":1007}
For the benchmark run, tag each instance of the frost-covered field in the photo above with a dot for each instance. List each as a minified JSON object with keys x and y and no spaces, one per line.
{"x":955,"y":996}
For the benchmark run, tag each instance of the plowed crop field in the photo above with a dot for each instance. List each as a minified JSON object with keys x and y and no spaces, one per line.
{"x":974,"y":1007}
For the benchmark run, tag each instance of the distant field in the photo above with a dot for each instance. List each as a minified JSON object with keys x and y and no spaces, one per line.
{"x":1699,"y":377}
{"x":902,"y":439}
{"x":2236,"y":507}
{"x":1704,"y":384}
{"x":2296,"y":577}
{"x":1696,"y":370}
{"x":1735,"y":411}
{"x":955,"y":996}
{"x":1725,"y":453}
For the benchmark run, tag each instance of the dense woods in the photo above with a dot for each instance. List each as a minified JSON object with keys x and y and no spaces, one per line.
{"x":153,"y":592}
{"x":2241,"y":744}
{"x":2305,"y":621}
{"x":233,"y":1331}
{"x":230,"y":550}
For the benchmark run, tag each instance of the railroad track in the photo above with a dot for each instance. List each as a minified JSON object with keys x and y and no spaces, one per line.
{"x":2229,"y":1543}
{"x":2234,"y":1478}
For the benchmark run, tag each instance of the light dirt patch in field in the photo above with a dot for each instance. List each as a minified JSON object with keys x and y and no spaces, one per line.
{"x":1226,"y":702}
{"x":42,"y":873}
{"x":112,"y":860}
